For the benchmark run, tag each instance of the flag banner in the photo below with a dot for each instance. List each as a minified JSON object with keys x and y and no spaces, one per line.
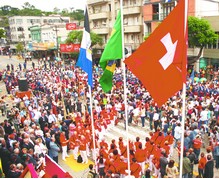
{"x":106,"y":79}
{"x":71,"y":26}
{"x":67,"y":48}
{"x":112,"y":51}
{"x":160,"y":62}
{"x":85,"y":55}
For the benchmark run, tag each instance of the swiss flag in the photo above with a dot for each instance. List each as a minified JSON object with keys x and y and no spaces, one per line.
{"x":160,"y":62}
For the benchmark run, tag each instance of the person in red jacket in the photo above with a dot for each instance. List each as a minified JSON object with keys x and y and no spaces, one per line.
{"x":135,"y":168}
{"x":197,"y":143}
{"x":104,"y":143}
{"x":123,"y":166}
{"x":201,"y":165}
{"x":82,"y":149}
{"x":64,"y":143}
{"x":140,"y":156}
{"x":74,"y":140}
{"x":137,"y":142}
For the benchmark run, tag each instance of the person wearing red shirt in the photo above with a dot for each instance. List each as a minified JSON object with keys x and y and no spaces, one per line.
{"x":64,"y":143}
{"x":159,"y":138}
{"x":166,"y":147}
{"x":120,"y":142}
{"x":137,"y":142}
{"x":170,"y":140}
{"x":94,"y":152}
{"x":104,"y":143}
{"x":201,"y":165}
{"x":197,"y":143}
{"x":116,"y":155}
{"x":82,"y":149}
{"x":140,"y":156}
{"x":123,"y":166}
{"x":75,"y":142}
{"x":103,"y":152}
{"x":135,"y":168}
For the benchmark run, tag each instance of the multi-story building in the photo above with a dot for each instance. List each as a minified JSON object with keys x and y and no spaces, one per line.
{"x":156,"y":10}
{"x":20,"y":26}
{"x":102,"y":15}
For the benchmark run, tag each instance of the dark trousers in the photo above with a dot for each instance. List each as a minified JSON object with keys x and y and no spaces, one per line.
{"x":55,"y":159}
{"x":142,"y":121}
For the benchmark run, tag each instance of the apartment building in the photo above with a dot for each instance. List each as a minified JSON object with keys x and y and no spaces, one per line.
{"x":20,"y":26}
{"x":102,"y":15}
{"x":156,"y":10}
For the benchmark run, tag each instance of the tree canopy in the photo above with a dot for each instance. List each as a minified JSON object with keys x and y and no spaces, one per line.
{"x":2,"y":33}
{"x":200,"y":34}
{"x":76,"y":37}
{"x":30,"y":10}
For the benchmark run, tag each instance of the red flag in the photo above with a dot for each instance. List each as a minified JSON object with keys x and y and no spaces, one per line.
{"x":160,"y":62}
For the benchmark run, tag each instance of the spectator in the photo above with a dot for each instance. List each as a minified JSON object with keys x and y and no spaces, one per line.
{"x":171,"y":170}
{"x":54,"y":150}
{"x":209,"y":168}
{"x":201,"y":165}
{"x":186,"y":166}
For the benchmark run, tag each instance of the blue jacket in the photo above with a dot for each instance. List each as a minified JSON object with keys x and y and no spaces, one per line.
{"x":54,"y":149}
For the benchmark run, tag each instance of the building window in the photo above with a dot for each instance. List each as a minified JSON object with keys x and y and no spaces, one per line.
{"x":19,"y":21}
{"x":20,"y":29}
{"x":155,"y":11}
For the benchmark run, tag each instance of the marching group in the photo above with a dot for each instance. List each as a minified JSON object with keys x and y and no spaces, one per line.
{"x":56,"y":118}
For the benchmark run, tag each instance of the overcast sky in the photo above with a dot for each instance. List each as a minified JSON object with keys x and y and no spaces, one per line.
{"x":46,"y":5}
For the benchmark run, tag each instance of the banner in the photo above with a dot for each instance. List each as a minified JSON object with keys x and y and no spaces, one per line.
{"x":71,"y":26}
{"x":67,"y":48}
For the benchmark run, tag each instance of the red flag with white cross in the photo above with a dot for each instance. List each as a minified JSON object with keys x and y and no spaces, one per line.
{"x":160,"y":62}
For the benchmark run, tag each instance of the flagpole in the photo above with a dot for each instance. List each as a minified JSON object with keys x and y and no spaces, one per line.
{"x":92,"y":125}
{"x":125,"y":89}
{"x":184,"y":94}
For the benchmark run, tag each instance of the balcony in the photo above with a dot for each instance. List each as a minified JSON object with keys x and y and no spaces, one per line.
{"x":101,"y":30}
{"x":132,"y":10}
{"x":101,"y":15}
{"x":133,"y":29}
{"x":95,"y":2}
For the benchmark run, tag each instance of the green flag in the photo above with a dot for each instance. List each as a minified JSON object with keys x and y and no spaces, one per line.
{"x":111,"y":53}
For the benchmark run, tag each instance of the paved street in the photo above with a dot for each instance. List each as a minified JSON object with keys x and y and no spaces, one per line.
{"x":114,"y":133}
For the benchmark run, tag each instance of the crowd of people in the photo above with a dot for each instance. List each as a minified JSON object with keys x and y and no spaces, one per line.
{"x":57,"y":119}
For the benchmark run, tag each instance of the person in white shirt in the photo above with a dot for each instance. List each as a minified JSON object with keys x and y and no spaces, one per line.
{"x":52,"y":118}
{"x":177,"y":133}
{"x":143,"y":115}
{"x":156,"y":118}
{"x":136,"y":114}
{"x":203,"y":117}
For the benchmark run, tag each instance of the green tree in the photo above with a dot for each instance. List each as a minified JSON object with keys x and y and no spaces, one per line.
{"x":2,"y":33}
{"x":27,"y":5}
{"x":78,"y":14}
{"x":200,"y":34}
{"x":19,"y":47}
{"x":76,"y":37}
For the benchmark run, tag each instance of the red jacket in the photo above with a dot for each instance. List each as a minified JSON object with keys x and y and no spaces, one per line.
{"x":63,"y":140}
{"x":197,"y":143}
